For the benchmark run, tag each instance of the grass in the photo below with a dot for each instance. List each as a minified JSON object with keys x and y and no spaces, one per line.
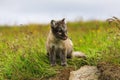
{"x":23,"y":54}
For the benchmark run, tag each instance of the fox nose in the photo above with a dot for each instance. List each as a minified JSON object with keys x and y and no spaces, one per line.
{"x":65,"y":36}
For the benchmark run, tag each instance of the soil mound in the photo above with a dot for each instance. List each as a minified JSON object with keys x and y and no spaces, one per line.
{"x":109,"y":71}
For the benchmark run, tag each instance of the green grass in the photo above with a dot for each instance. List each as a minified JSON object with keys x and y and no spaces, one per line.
{"x":23,"y":54}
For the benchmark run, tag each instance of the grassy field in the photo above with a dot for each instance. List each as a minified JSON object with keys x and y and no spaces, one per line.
{"x":23,"y":54}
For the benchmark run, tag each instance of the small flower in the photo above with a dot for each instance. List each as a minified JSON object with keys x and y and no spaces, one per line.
{"x":80,"y":40}
{"x":98,"y":31}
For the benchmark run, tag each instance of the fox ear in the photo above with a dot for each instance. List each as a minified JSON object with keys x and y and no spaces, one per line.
{"x":52,"y":23}
{"x":63,"y":20}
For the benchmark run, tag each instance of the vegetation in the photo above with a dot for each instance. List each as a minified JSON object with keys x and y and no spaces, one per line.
{"x":23,"y":55}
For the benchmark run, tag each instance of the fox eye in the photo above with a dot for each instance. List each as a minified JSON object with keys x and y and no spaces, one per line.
{"x":59,"y":30}
{"x":59,"y":33}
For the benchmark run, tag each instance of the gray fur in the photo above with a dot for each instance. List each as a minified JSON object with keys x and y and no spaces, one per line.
{"x":59,"y":46}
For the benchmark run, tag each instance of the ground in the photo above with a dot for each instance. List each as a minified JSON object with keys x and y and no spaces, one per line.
{"x":109,"y":71}
{"x":62,"y":74}
{"x":23,"y":52}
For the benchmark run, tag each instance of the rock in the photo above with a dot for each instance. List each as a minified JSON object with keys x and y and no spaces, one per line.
{"x":85,"y":73}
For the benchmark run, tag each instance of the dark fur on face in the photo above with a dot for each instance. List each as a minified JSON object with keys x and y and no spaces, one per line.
{"x":59,"y":29}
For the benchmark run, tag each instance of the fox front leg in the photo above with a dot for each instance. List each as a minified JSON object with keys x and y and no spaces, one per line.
{"x":52,"y":56}
{"x":63,"y":56}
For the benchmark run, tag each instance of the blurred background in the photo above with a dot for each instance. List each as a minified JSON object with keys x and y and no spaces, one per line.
{"x":24,"y":27}
{"x":42,"y":11}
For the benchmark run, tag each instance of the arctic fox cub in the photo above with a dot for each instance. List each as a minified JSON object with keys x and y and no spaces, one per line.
{"x":58,"y":43}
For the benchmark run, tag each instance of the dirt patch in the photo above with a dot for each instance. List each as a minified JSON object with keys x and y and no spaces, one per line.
{"x":62,"y":74}
{"x":109,"y":71}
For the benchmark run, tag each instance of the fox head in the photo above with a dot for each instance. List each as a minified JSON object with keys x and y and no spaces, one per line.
{"x":59,"y":29}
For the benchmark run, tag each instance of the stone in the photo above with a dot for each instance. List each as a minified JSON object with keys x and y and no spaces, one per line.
{"x":85,"y":73}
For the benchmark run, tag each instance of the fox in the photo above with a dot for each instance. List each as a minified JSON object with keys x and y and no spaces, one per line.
{"x":59,"y":44}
